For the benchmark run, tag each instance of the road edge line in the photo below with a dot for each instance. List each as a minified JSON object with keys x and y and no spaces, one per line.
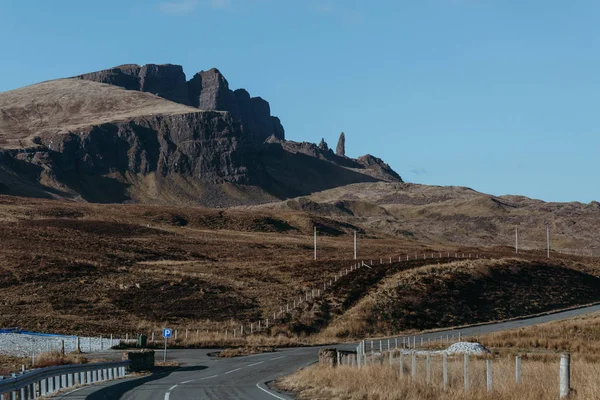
{"x":267,"y":391}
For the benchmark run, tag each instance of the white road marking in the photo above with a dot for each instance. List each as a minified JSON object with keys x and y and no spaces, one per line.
{"x":252,"y":365}
{"x":191,"y":380}
{"x":168,"y":394}
{"x":277,"y":358}
{"x":268,"y":392}
{"x":233,"y":370}
{"x":209,"y":377}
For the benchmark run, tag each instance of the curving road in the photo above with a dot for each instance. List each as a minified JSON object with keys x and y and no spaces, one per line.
{"x":203,"y":376}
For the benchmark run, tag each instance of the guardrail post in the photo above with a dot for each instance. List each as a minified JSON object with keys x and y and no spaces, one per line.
{"x":94,"y":376}
{"x":518,"y":369}
{"x":23,"y":393}
{"x":110,"y":374}
{"x":43,"y":387}
{"x":50,"y":385}
{"x":88,"y":378}
{"x":63,"y":381}
{"x":77,"y":378}
{"x":69,"y":380}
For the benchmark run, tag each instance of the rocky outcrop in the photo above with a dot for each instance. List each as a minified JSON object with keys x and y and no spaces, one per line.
{"x":323,"y":145}
{"x":340,"y":149}
{"x":379,"y":169}
{"x":167,"y":81}
{"x":207,"y":90}
{"x":255,"y":115}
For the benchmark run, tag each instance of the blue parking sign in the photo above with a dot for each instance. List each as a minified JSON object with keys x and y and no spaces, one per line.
{"x":167,"y":333}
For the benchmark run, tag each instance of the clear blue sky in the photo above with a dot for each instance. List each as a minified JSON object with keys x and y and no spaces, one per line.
{"x":501,"y":96}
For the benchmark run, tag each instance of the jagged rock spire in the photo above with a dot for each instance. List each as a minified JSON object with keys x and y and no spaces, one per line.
{"x":323,"y":145}
{"x":340,"y":150}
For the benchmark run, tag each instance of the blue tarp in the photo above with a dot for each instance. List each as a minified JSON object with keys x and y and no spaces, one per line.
{"x":20,"y":331}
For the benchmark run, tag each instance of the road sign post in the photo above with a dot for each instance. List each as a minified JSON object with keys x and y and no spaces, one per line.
{"x":167,"y":333}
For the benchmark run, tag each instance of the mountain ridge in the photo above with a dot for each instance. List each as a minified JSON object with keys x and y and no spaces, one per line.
{"x":132,"y":134}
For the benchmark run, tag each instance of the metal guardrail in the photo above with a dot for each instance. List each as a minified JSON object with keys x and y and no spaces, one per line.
{"x":50,"y":380}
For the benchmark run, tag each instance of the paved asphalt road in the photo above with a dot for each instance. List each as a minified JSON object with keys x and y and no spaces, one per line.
{"x":206,"y":377}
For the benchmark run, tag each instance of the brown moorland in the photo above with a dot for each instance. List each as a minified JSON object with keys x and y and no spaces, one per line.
{"x":134,"y":268}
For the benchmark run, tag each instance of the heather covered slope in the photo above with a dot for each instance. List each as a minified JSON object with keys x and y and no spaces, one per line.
{"x":457,"y":215}
{"x":129,"y":268}
{"x":466,"y":292}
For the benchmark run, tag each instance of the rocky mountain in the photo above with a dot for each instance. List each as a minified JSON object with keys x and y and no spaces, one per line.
{"x":207,"y":90}
{"x":146,"y":134}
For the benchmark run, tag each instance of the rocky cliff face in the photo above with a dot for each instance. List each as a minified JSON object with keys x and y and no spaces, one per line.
{"x":208,"y":146}
{"x":167,"y":81}
{"x":207,"y":90}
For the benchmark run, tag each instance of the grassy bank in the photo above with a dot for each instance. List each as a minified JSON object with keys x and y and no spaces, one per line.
{"x":540,"y":381}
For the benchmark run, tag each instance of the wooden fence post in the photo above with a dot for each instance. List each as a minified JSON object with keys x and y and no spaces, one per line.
{"x":401,"y":363}
{"x":466,"y":372}
{"x":428,"y":368}
{"x":445,"y":370}
{"x":488,"y":365}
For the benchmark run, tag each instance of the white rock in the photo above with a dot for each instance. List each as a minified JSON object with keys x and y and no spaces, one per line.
{"x":467,"y":348}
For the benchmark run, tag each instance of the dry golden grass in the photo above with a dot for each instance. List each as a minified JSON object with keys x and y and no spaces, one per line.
{"x":579,"y":336}
{"x":68,"y":104}
{"x":53,"y":358}
{"x":11,"y":364}
{"x":540,"y":381}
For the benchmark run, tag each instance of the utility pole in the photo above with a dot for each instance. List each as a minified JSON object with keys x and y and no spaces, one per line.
{"x":548,"y":239}
{"x":516,"y":239}
{"x":355,"y":245}
{"x":315,"y":242}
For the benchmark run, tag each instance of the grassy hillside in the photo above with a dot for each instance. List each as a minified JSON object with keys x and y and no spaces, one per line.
{"x":457,"y":215}
{"x":465,"y":292}
{"x":131,"y":268}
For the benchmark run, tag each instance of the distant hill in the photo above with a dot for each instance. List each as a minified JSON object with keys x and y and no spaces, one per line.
{"x":454,"y":215}
{"x":145,"y":134}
